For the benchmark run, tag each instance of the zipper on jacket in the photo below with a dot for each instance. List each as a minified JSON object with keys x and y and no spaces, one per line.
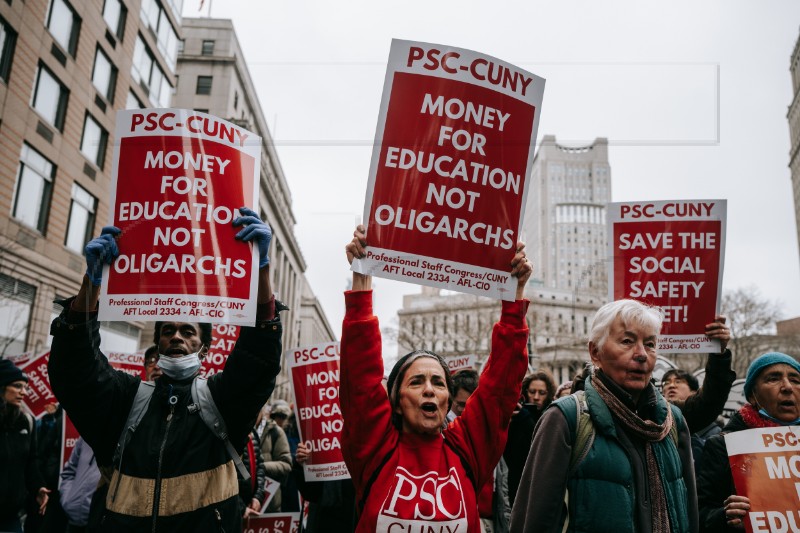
{"x":119,"y":467}
{"x":157,"y":489}
{"x":219,"y":520}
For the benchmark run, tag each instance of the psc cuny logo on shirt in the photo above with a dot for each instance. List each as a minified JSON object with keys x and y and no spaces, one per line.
{"x":426,"y":502}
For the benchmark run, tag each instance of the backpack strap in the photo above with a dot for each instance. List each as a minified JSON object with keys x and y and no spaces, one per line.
{"x":371,"y":481}
{"x":205,"y":406}
{"x":581,"y":430}
{"x":140,"y":402}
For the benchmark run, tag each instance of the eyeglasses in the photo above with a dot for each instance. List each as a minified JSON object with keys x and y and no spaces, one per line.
{"x":18,"y":386}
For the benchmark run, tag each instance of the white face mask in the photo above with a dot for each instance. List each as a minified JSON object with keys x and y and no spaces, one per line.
{"x":182,"y":367}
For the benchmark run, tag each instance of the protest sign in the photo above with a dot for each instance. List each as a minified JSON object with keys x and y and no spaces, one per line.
{"x":450,"y":169}
{"x":271,"y":487}
{"x":20,"y":359}
{"x":462,"y":362}
{"x":766,"y":468}
{"x":272,"y":523}
{"x":315,"y":384}
{"x":69,"y":437}
{"x":179,"y":177}
{"x":39,"y":391}
{"x":223,"y":339}
{"x":670,"y":254}
{"x":130,"y":363}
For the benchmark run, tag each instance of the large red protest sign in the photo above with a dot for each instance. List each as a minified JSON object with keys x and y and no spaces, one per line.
{"x":670,"y":254}
{"x":179,"y":177}
{"x":450,"y":169}
{"x":272,"y":523}
{"x":766,"y":469}
{"x":315,"y":384}
{"x":39,"y":391}
{"x":223,"y":340}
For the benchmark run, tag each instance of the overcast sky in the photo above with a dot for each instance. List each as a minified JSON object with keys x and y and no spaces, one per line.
{"x":691,"y":95}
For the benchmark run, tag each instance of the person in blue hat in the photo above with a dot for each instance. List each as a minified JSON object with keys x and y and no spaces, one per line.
{"x":772,"y":390}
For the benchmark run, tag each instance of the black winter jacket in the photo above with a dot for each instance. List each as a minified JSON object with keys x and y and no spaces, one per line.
{"x":19,"y":468}
{"x":176,"y":475}
{"x":715,"y":481}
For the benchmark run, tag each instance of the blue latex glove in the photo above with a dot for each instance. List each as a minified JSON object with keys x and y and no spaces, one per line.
{"x":255,"y":230}
{"x":101,"y":251}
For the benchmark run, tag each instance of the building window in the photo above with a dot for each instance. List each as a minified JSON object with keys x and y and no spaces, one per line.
{"x":34,"y":186}
{"x":208,"y":48}
{"x":204,"y":84}
{"x":50,"y":98}
{"x":115,"y":13}
{"x":236,"y":99}
{"x":64,"y":25}
{"x":104,"y":75}
{"x":154,"y":16}
{"x":150,"y":75}
{"x":8,"y":40}
{"x":93,"y":143}
{"x":81,"y":219}
{"x":132,"y":102}
{"x":15,"y":314}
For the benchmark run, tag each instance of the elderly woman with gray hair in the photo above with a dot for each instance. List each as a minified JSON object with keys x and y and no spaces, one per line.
{"x":411,"y":470}
{"x":616,"y":457}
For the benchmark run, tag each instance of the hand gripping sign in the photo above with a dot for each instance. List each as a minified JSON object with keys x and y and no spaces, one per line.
{"x":669,"y":254}
{"x":315,"y":384}
{"x":765,"y":464}
{"x":450,"y":169}
{"x":179,"y":177}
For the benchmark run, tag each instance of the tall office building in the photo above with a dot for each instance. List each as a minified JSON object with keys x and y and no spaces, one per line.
{"x":65,"y":68}
{"x":213,"y":78}
{"x":565,"y":236}
{"x":794,"y":133}
{"x":565,"y":218}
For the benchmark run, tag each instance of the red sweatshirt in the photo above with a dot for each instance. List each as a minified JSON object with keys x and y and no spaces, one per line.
{"x":423,"y":484}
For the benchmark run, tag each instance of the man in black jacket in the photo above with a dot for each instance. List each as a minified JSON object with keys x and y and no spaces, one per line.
{"x":174,"y":474}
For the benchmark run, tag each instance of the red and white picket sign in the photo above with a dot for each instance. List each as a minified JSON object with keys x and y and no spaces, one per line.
{"x":462,"y":362}
{"x":670,"y":254}
{"x":130,"y":363}
{"x":39,"y":391}
{"x":766,"y":468}
{"x":69,"y":436}
{"x":272,"y":523}
{"x":450,"y":167}
{"x":315,"y":385}
{"x":179,"y":177}
{"x":223,"y":339}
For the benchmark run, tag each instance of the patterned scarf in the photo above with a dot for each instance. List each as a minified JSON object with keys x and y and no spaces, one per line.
{"x":649,"y":432}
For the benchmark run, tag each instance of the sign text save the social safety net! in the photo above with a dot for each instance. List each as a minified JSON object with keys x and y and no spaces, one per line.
{"x":315,"y":385}
{"x":670,"y":254}
{"x":179,"y":178}
{"x":450,"y":168}
{"x":765,"y":464}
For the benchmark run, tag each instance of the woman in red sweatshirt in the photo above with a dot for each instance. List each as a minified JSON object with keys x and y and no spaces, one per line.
{"x":412,"y":472}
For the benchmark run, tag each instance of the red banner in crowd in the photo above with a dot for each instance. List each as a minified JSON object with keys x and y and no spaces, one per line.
{"x":272,"y":523}
{"x":670,"y":254}
{"x":69,"y":436}
{"x":766,"y":466}
{"x":179,"y":177}
{"x":223,"y":339}
{"x":39,"y":392}
{"x":450,"y":168}
{"x":315,"y":380}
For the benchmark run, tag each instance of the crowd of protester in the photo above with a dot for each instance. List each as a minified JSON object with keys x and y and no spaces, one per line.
{"x":506,"y":449}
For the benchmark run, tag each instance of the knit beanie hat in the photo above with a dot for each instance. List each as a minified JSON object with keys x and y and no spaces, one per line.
{"x":9,"y":373}
{"x":763,"y":361}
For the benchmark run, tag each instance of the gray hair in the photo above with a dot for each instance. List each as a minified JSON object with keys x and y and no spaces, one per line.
{"x":630,"y":312}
